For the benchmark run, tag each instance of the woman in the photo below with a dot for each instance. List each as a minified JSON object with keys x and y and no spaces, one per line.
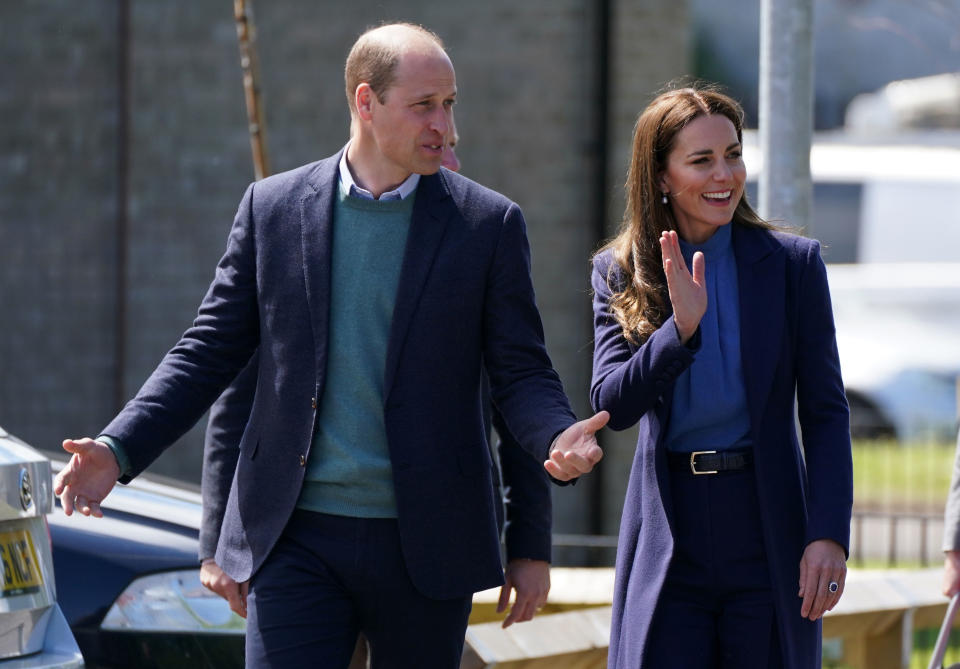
{"x":708,"y":322}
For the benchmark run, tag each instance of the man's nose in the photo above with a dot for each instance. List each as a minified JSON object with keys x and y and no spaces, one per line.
{"x":441,"y":121}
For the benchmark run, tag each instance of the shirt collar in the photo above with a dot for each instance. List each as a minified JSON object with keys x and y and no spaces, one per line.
{"x":399,"y":193}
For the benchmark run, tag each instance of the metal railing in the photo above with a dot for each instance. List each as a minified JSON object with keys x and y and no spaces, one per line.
{"x":878,"y":538}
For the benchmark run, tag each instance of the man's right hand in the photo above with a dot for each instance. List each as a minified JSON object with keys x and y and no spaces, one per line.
{"x":576,"y":451}
{"x":88,"y":478}
{"x":217,"y":580}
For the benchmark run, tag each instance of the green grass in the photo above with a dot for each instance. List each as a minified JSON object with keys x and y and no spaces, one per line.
{"x":915,"y":477}
{"x":923,"y":643}
{"x":897,"y":477}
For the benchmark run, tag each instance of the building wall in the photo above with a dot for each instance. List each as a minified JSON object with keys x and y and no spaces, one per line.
{"x":536,"y":123}
{"x":58,"y":175}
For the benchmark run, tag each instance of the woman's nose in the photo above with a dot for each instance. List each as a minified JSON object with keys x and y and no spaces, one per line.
{"x":722,"y":172}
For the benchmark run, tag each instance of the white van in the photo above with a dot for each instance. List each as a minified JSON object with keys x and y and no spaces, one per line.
{"x":891,"y":200}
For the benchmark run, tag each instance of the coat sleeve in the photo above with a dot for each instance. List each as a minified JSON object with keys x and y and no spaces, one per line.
{"x":525,"y":388}
{"x":628,"y":380}
{"x":205,"y":360}
{"x":822,"y":409}
{"x":221,"y":448}
{"x":526,"y":493}
{"x":951,"y":516}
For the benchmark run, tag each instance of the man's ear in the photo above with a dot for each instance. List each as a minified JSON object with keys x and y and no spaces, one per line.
{"x":364,"y":98}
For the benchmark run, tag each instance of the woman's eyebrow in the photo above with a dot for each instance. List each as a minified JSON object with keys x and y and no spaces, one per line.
{"x":707,"y":152}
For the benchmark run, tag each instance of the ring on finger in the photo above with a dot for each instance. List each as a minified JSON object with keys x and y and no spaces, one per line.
{"x":833,"y":586}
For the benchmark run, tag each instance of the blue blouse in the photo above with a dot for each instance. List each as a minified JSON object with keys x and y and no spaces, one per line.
{"x":709,"y":410}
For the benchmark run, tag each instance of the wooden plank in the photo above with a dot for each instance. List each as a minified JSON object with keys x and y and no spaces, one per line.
{"x":572,"y":639}
{"x":573,"y":629}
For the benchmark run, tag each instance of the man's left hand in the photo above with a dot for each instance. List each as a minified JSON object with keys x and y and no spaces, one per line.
{"x":531,"y":580}
{"x":214,"y":578}
{"x":576,"y":451}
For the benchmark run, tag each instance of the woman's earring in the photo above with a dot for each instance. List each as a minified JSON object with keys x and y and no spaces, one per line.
{"x":664,"y":199}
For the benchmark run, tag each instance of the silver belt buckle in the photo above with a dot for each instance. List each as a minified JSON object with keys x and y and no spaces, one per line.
{"x":693,"y":466}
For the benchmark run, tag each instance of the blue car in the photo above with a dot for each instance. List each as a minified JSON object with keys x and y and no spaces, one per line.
{"x":129,"y":582}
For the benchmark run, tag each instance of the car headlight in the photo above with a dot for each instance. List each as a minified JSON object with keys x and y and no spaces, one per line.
{"x":173,"y":601}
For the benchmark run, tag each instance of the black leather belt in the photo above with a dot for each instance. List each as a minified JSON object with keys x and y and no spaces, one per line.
{"x":710,"y":462}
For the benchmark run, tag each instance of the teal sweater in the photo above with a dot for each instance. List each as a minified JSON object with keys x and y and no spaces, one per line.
{"x":348,"y":470}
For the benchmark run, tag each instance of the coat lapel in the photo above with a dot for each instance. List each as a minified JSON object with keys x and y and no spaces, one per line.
{"x":432,"y":210}
{"x":316,"y":239}
{"x":761,"y":283}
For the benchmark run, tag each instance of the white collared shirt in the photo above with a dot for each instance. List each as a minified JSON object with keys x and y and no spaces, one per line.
{"x":399,"y":193}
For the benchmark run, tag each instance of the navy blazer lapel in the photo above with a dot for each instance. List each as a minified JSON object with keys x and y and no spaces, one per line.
{"x":316,"y":239}
{"x":431,"y":211}
{"x":761,"y":278}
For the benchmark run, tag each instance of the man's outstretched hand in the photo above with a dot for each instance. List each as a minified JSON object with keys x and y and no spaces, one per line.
{"x":575,"y":451}
{"x":88,"y":477}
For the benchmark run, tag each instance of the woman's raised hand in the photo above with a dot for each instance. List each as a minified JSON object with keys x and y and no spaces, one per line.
{"x":688,"y":292}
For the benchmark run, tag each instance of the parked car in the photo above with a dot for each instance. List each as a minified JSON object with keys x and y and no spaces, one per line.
{"x":129,"y":583}
{"x":898,"y":332}
{"x":33,"y":631}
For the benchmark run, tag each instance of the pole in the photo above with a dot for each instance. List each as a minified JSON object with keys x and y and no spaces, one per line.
{"x":121,"y":260}
{"x":786,"y":110}
{"x":246,"y":37}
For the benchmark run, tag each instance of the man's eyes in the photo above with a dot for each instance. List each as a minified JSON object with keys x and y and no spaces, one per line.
{"x":427,"y":104}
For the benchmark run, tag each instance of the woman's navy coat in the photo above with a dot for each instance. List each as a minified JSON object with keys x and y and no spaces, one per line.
{"x":788,"y":345}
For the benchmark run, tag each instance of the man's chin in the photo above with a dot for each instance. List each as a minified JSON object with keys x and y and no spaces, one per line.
{"x":426,"y":167}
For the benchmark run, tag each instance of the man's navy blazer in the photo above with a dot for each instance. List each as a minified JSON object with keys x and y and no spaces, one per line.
{"x":522,"y":503}
{"x":465,"y":296}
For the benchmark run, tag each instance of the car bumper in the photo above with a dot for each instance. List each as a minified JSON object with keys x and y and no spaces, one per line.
{"x":60,"y":650}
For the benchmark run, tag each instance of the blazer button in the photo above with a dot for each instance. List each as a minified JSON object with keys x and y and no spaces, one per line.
{"x":313,"y":402}
{"x":303,"y":460}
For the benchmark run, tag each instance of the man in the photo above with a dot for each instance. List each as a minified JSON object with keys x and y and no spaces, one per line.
{"x":527,"y":500}
{"x":373,"y":287}
{"x":951,"y":531}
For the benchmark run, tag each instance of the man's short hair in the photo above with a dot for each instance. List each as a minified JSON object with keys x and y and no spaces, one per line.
{"x":374,"y":57}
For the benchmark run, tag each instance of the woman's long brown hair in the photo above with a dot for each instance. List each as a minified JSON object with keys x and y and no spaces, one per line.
{"x":640,"y":299}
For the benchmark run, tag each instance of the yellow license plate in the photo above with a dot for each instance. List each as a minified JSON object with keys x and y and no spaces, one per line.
{"x":21,"y":571}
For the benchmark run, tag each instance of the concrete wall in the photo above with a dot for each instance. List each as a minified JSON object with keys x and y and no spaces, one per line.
{"x":58,"y":175}
{"x":536,"y":119}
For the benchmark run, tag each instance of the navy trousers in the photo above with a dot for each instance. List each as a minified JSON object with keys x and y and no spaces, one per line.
{"x":328,"y":578}
{"x":716,"y":608}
